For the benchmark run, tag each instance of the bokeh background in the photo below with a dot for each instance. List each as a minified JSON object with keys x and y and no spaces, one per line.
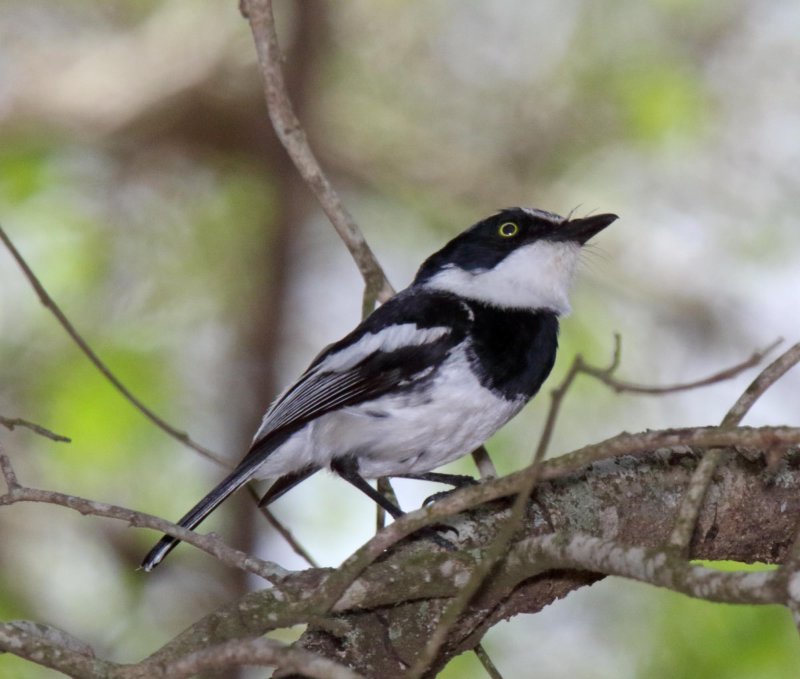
{"x":140,"y":178}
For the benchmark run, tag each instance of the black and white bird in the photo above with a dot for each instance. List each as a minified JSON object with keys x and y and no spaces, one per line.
{"x":431,"y":374}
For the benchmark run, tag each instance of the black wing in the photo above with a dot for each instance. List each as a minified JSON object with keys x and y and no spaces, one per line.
{"x":400,"y":344}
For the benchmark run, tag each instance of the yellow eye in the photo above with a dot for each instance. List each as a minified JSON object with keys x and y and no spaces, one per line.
{"x":508,"y":229}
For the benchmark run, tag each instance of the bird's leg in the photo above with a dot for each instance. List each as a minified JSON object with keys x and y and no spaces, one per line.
{"x":347,"y":468}
{"x":455,"y":480}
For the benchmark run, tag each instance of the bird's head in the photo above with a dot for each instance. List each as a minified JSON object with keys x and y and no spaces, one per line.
{"x":519,"y":258}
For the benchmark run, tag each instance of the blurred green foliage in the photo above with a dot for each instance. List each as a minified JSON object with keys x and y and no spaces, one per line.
{"x":689,"y":639}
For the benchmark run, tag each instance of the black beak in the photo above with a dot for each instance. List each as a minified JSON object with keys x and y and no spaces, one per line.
{"x":581,"y":230}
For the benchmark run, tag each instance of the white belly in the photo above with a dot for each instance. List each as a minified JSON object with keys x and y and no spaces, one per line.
{"x":401,"y":433}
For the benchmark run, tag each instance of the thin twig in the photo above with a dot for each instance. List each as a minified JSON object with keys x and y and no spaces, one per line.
{"x":207,"y":543}
{"x":55,"y":649}
{"x":789,"y":574}
{"x":681,"y":536}
{"x":486,"y":661}
{"x":11,"y":422}
{"x":557,"y":396}
{"x":606,"y":376}
{"x":46,"y":651}
{"x":765,"y":438}
{"x":620,"y":386}
{"x":9,"y":475}
{"x":50,"y":304}
{"x":486,"y":468}
{"x":283,"y":531}
{"x":293,"y":137}
{"x":387,"y":490}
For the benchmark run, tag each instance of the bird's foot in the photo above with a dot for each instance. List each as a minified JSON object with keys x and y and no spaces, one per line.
{"x":444,"y":493}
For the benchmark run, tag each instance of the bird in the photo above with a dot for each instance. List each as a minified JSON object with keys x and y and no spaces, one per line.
{"x":430,"y":374}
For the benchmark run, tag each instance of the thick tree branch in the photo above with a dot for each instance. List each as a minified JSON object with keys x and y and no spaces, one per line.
{"x":57,"y":650}
{"x":701,"y":480}
{"x":653,"y":566}
{"x":237,"y":653}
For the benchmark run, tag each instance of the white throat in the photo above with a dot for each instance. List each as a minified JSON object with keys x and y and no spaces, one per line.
{"x":536,"y":276}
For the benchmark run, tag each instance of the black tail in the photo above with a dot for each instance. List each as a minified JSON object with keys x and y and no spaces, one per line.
{"x":200,"y":511}
{"x":229,"y":485}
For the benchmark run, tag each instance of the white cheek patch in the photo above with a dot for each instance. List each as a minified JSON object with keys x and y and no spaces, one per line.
{"x":535,"y":276}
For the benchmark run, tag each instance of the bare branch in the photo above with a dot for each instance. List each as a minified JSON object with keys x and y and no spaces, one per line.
{"x":769,"y":376}
{"x":487,"y":663}
{"x":282,"y":530}
{"x":208,"y":543}
{"x":50,"y":304}
{"x":11,"y":422}
{"x":763,"y":438}
{"x":9,"y":475}
{"x":620,"y":386}
{"x":654,"y":566}
{"x":240,"y":652}
{"x":557,"y":396}
{"x":606,"y":376}
{"x":486,"y":468}
{"x":701,"y":479}
{"x":44,"y":646}
{"x":293,"y":137}
{"x":53,"y":648}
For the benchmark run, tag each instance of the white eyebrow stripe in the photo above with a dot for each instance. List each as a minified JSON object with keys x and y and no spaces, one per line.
{"x":544,"y":214}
